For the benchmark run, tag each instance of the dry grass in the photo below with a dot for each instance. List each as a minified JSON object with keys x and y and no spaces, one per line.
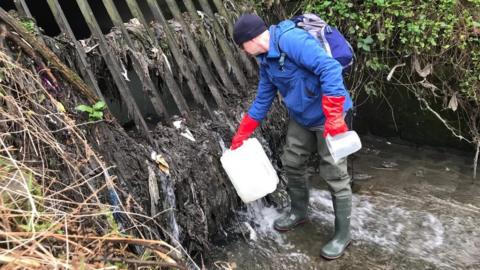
{"x":54,"y":213}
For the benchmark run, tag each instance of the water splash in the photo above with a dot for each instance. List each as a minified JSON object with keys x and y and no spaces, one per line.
{"x":414,"y":231}
{"x":271,"y":249}
{"x":262,"y":217}
{"x":395,"y":225}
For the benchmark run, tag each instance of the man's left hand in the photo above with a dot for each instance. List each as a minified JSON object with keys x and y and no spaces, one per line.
{"x":333,"y":110}
{"x":335,"y":126}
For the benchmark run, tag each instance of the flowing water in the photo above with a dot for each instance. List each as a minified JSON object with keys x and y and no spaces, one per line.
{"x":413,"y":208}
{"x":169,"y":202}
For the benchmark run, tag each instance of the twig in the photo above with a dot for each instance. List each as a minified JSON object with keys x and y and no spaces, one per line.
{"x":392,"y":111}
{"x":30,"y":198}
{"x":101,"y":238}
{"x":384,"y":169}
{"x":444,"y":122}
{"x":67,"y":242}
{"x":139,"y":262}
{"x":19,"y":261}
{"x":475,"y":160}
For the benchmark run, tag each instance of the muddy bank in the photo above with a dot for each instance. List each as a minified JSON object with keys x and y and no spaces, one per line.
{"x":195,"y":202}
{"x":404,"y":117}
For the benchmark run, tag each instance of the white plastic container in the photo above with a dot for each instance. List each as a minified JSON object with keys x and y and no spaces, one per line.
{"x":250,"y":170}
{"x":343,"y":144}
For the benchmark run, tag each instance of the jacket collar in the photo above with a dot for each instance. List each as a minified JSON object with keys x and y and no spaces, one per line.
{"x":275,"y":32}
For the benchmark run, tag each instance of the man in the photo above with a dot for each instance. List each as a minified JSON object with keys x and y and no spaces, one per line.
{"x":311,"y":83}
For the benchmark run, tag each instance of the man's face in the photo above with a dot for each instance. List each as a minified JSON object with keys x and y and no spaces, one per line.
{"x":252,"y":47}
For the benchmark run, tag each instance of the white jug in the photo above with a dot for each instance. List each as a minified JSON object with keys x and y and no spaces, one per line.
{"x":250,"y":170}
{"x":343,"y":144}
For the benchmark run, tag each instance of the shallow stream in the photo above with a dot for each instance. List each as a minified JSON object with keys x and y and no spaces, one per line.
{"x":413,"y":208}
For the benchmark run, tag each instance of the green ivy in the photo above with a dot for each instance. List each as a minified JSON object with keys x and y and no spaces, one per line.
{"x":416,"y":24}
{"x":441,"y":32}
{"x":29,"y":25}
{"x":95,"y":112}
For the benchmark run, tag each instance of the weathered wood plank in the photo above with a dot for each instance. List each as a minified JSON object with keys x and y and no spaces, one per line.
{"x":157,"y":13}
{"x":179,"y":58}
{"x":243,"y":57}
{"x":64,"y":26}
{"x":147,"y":85}
{"x":114,"y":68}
{"x":137,"y":13}
{"x":223,"y":44}
{"x":223,"y":12}
{"x":22,"y":8}
{"x":212,"y":53}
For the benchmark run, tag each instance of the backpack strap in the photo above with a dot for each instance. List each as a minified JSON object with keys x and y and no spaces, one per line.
{"x":281,"y":60}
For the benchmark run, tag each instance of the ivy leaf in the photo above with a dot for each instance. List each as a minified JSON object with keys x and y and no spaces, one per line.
{"x":84,"y":108}
{"x":368,"y":40}
{"x":381,"y":36}
{"x":99,"y":105}
{"x":370,"y":89}
{"x":97,"y":115}
{"x":326,"y":4}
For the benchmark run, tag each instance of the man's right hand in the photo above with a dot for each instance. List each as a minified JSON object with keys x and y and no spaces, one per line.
{"x":245,"y":129}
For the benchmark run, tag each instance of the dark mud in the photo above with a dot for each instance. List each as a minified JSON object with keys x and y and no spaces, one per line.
{"x":195,"y":204}
{"x":204,"y":201}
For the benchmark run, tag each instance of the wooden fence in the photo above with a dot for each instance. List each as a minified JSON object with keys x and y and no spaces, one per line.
{"x":225,"y":72}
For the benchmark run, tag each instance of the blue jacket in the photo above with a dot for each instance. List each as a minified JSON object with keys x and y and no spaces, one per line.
{"x":308,"y":73}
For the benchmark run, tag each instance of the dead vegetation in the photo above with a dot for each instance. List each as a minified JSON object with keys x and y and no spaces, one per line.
{"x":54,"y":186}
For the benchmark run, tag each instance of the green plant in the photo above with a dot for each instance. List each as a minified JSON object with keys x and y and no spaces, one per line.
{"x":95,"y":112}
{"x":113,"y":225}
{"x":364,"y":43}
{"x":28,"y":24}
{"x":430,"y":48}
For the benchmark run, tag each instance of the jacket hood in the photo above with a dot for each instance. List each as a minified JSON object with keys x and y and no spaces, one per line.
{"x":275,"y":32}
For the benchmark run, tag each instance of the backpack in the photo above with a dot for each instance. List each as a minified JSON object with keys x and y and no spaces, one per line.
{"x":332,"y":41}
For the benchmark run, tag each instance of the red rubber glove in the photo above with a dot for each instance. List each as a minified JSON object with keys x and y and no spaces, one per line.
{"x":333,"y":110}
{"x":245,"y":129}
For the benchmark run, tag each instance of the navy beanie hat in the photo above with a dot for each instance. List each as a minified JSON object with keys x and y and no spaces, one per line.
{"x":247,"y":27}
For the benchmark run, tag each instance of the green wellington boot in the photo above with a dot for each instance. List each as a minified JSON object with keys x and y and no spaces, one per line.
{"x":298,"y":210}
{"x":342,"y":238}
